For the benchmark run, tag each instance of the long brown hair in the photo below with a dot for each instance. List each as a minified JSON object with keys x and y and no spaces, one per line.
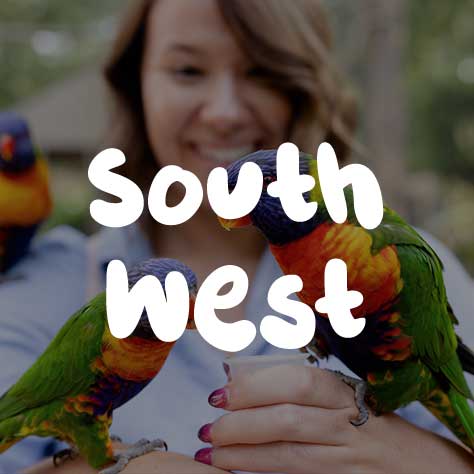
{"x":291,"y":40}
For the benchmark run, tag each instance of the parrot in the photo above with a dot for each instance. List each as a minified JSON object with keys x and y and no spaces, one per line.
{"x":408,"y":350}
{"x":85,"y":373}
{"x":25,"y":199}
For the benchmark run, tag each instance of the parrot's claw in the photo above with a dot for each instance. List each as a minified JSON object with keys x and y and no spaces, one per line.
{"x":360,"y":388}
{"x":315,"y":352}
{"x":313,"y":356}
{"x":65,"y":455}
{"x":140,"y":448}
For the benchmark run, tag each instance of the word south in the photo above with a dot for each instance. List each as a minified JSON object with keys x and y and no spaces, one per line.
{"x":289,"y":187}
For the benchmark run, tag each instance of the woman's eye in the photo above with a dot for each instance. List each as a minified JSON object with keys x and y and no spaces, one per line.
{"x":258,"y":72}
{"x":267,"y":180}
{"x":188,"y":71}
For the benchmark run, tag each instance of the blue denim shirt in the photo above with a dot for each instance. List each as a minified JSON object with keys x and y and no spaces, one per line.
{"x":56,"y":282}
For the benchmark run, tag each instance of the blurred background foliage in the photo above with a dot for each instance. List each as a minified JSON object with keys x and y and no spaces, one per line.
{"x":42,"y":41}
{"x":411,"y":63}
{"x":440,"y":90}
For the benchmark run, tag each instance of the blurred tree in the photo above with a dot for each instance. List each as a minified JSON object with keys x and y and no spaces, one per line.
{"x":385,"y":99}
{"x":43,"y":40}
{"x":440,"y":87}
{"x":440,"y":60}
{"x":370,"y":37}
{"x":415,"y":60}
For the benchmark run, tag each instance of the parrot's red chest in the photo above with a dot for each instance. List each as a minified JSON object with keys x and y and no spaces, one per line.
{"x":125,"y":367}
{"x":377,"y":276}
{"x":133,"y":358}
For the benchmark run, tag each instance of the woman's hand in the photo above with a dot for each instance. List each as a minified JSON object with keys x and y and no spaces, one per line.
{"x":155,"y":462}
{"x":296,"y":420}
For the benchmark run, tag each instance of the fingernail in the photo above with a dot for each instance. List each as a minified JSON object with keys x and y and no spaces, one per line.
{"x":227,"y":371}
{"x":218,"y":398}
{"x":204,"y":433}
{"x":204,"y":455}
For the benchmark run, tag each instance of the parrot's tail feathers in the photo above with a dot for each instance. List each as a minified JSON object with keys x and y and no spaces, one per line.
{"x":11,"y":432}
{"x":453,"y":410}
{"x":466,"y":356}
{"x":7,"y":444}
{"x":465,"y":414}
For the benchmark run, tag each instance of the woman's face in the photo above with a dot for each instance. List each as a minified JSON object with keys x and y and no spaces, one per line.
{"x":205,"y":104}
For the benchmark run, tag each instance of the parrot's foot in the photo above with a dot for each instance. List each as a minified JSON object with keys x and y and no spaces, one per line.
{"x":360,"y":388}
{"x":140,"y":448}
{"x":65,"y":455}
{"x":314,"y":355}
{"x":315,"y":351}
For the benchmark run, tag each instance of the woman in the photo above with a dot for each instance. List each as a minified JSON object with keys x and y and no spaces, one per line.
{"x":198,"y":84}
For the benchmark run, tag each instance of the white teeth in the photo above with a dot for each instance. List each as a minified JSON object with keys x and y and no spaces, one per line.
{"x":227,"y":155}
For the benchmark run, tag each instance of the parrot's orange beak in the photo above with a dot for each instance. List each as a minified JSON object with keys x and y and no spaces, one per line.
{"x":191,"y":324}
{"x":7,"y":147}
{"x":230,"y":224}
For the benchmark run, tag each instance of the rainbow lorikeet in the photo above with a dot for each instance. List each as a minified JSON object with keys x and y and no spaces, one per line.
{"x":72,"y":389}
{"x":25,"y":199}
{"x":408,"y":349}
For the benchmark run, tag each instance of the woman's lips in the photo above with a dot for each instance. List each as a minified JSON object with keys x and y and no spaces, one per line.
{"x":222,"y":156}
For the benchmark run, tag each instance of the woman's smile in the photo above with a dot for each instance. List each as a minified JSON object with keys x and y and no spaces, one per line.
{"x":219,"y":155}
{"x":204,"y":105}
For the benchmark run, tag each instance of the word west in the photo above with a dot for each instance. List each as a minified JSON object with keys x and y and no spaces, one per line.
{"x":168,"y":315}
{"x":289,"y":187}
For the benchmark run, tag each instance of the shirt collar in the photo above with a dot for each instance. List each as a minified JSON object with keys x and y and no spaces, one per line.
{"x":128,"y":244}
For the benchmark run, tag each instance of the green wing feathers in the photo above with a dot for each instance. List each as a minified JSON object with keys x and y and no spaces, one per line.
{"x":54,"y":374}
{"x":9,"y":429}
{"x":429,"y":320}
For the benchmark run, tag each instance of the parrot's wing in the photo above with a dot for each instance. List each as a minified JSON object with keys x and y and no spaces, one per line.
{"x":64,"y":369}
{"x":423,"y":302}
{"x":395,"y":231}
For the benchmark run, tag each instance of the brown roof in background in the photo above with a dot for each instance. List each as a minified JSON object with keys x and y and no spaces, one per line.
{"x":68,"y":117}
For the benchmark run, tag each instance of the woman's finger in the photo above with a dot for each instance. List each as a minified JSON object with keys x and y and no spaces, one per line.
{"x":285,"y":384}
{"x":285,"y":422}
{"x":290,"y":458}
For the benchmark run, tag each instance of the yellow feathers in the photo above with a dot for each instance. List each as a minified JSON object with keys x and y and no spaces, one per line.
{"x":25,"y":198}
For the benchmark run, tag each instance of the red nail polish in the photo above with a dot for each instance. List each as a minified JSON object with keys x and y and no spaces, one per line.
{"x":218,"y":398}
{"x":204,"y":455}
{"x":204,"y":433}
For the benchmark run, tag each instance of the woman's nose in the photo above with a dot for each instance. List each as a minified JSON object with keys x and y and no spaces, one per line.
{"x":225,"y":108}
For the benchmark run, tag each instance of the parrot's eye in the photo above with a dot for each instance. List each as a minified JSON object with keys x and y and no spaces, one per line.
{"x":7,"y":147}
{"x":267,"y":180}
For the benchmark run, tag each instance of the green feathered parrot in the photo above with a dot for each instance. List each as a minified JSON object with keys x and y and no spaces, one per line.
{"x":70,"y":392}
{"x":408,"y":349}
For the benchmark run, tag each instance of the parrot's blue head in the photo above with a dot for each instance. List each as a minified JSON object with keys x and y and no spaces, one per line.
{"x":159,"y":268}
{"x":269,"y":216}
{"x":17,"y":153}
